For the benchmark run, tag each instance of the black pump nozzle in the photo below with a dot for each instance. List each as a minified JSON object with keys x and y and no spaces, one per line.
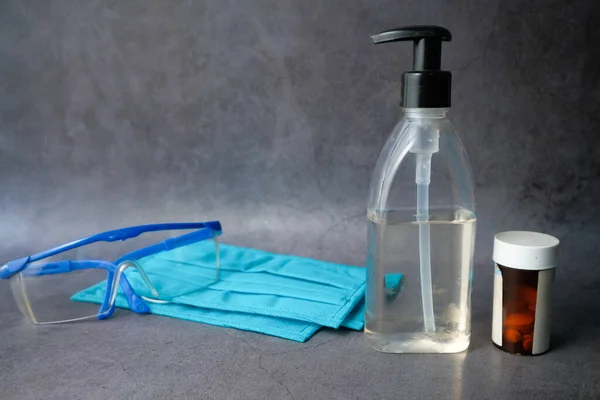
{"x":426,"y":86}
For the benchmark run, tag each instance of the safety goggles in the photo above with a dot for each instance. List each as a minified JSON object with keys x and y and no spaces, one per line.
{"x":43,"y":284}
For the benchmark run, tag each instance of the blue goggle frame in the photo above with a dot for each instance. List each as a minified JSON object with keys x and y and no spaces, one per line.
{"x":206,"y":230}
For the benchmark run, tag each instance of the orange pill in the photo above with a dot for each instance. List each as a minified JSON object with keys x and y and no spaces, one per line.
{"x":512,"y":335}
{"x":527,"y":342}
{"x":529,"y":295}
{"x":516,"y":305}
{"x":519,"y":319}
{"x":526,"y":329}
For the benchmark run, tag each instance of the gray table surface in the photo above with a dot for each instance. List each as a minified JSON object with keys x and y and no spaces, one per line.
{"x":151,"y":357}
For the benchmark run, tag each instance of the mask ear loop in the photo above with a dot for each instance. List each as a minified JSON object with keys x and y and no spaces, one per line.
{"x":130,"y":263}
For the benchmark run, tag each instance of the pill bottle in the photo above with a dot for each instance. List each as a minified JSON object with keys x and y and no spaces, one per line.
{"x":525,"y":265}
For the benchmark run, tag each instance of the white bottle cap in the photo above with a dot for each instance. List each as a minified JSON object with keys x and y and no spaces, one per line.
{"x":526,"y":250}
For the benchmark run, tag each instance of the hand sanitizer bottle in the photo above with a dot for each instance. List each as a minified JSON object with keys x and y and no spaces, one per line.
{"x":421,"y":213}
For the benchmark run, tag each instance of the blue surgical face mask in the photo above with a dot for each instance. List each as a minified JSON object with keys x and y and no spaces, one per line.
{"x":291,"y":329}
{"x":252,"y":282}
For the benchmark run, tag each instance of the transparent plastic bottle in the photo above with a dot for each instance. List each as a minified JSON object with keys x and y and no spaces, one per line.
{"x":421,"y":213}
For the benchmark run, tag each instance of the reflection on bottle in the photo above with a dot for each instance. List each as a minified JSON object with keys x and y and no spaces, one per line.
{"x":393,"y":286}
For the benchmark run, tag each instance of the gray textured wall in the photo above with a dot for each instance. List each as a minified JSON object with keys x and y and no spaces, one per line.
{"x":269,"y":115}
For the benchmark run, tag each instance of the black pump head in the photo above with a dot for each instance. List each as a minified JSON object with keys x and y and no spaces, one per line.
{"x":426,"y":86}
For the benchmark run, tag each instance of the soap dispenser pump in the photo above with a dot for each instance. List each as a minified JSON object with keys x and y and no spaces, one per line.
{"x":421,"y":213}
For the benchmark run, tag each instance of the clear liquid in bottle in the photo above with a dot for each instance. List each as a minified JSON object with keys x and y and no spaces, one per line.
{"x":394,"y":317}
